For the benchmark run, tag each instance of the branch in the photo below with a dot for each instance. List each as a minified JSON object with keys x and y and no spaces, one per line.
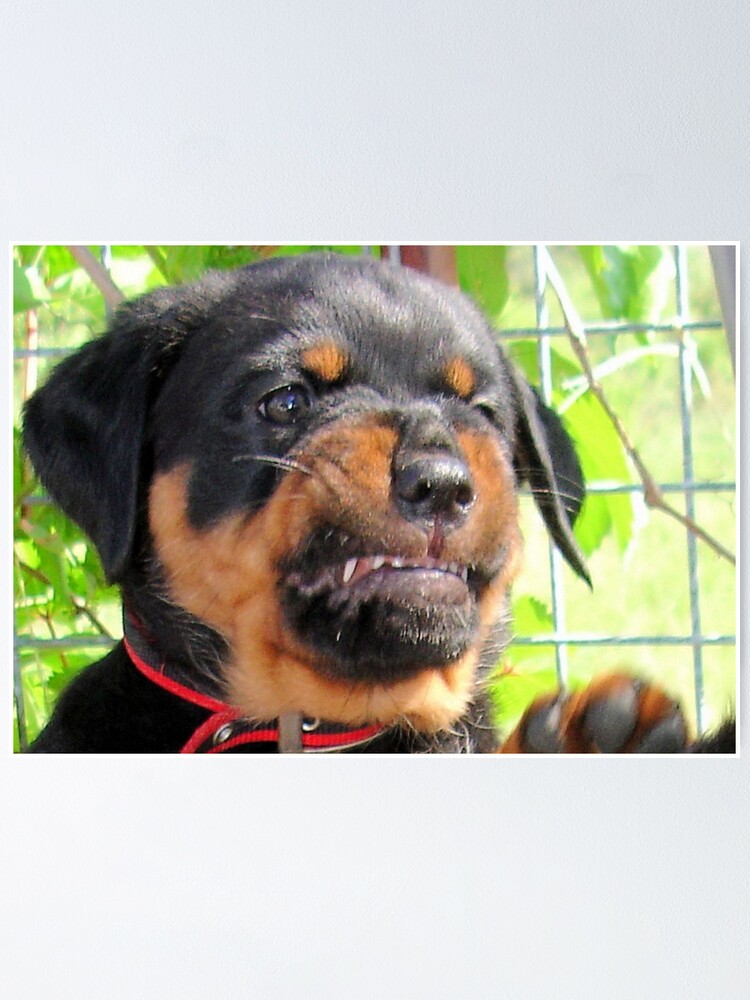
{"x":81,"y":607}
{"x":652,"y":492}
{"x":98,"y":274}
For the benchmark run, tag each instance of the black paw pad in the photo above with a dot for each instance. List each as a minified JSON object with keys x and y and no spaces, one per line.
{"x":541,"y":732}
{"x":611,"y":722}
{"x":668,"y":736}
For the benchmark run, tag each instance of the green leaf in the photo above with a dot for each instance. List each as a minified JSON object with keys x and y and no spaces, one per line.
{"x":531,"y":616}
{"x":602,"y":459}
{"x":58,"y":261}
{"x":183,"y":263}
{"x":653,"y":274}
{"x":482,"y":274}
{"x":225,"y":258}
{"x":27,"y":254}
{"x":630,"y":282}
{"x":29,"y":289}
{"x":512,"y":692}
{"x":525,"y":355}
{"x":54,"y":566}
{"x":63,"y":673}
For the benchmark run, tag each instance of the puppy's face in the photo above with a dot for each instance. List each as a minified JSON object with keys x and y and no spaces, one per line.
{"x":334,"y":493}
{"x":314,"y":457}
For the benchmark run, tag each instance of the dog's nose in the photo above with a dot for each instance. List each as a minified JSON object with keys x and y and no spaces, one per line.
{"x":431,"y":485}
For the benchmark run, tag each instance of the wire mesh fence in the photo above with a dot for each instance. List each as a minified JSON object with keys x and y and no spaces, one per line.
{"x":695,"y":638}
{"x":575,"y":640}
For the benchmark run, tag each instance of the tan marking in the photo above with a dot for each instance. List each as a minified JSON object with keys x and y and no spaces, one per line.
{"x":226,"y":575}
{"x":494,"y":517}
{"x":460,"y":377}
{"x":326,"y":360}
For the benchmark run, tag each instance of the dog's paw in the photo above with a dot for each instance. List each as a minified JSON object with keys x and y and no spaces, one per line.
{"x":616,"y":713}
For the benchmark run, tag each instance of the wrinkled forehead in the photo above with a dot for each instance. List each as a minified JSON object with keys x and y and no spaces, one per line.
{"x":358,"y":327}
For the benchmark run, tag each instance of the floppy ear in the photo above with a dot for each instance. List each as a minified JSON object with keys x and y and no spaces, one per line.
{"x":84,"y":433}
{"x":544,"y":456}
{"x":84,"y":429}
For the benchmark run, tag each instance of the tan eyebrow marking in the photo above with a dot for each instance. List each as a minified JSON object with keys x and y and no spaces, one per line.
{"x":326,"y":360}
{"x":460,"y":377}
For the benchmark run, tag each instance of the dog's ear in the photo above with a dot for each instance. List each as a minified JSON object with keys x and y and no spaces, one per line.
{"x":84,"y":428}
{"x":545,"y":458}
{"x":83,"y":431}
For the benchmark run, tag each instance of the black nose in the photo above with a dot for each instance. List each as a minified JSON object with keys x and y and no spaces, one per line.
{"x":430,"y":485}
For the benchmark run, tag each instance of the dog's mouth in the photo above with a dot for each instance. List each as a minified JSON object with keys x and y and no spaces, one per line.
{"x":381,"y":575}
{"x":381,"y":617}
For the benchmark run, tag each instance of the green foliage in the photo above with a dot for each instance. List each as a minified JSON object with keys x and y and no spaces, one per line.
{"x":600,"y":451}
{"x":631,"y":282}
{"x":59,"y":582}
{"x":482,"y":274}
{"x":29,"y":289}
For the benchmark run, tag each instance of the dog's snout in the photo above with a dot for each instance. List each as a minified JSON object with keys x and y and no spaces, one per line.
{"x":431,"y":485}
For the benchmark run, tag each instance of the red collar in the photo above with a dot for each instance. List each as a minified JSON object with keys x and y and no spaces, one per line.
{"x":225,"y":728}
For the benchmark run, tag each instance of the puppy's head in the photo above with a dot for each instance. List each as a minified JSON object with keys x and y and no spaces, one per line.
{"x":320,"y":457}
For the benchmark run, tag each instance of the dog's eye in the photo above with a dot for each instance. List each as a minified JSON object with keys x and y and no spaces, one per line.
{"x":286,"y":405}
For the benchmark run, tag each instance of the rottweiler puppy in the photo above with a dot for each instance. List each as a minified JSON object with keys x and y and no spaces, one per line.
{"x":303,"y":474}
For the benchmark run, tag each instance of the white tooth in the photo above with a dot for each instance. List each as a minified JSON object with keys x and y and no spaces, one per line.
{"x":453,"y":568}
{"x":378,"y":561}
{"x":349,"y":570}
{"x":397,"y":563}
{"x":465,"y":574}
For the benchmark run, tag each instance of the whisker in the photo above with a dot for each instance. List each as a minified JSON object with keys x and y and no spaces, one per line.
{"x":288,"y":464}
{"x":560,"y":478}
{"x":570,"y":503}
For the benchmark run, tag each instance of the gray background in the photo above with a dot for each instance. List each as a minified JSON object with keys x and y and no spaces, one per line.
{"x":386,"y":122}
